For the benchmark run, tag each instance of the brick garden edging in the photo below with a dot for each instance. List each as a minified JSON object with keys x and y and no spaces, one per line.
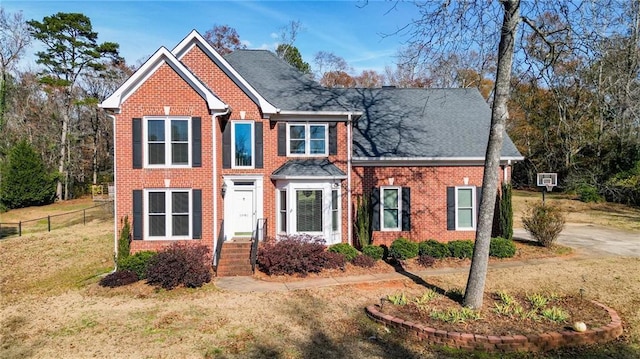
{"x":511,"y":343}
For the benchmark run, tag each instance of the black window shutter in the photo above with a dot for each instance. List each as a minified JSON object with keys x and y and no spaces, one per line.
{"x":259,"y":145}
{"x":282,"y":139}
{"x":196,"y":145}
{"x":406,"y":208}
{"x":197,"y":213}
{"x":333,"y":138}
{"x":226,"y":146}
{"x":451,"y":208}
{"x":137,"y":214}
{"x":137,"y":142}
{"x":375,"y":209}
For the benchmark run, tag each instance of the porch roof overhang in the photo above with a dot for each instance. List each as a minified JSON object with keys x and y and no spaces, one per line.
{"x":309,"y":169}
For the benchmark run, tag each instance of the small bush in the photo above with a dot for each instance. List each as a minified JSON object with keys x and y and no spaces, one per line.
{"x":332,"y":260}
{"x":502,"y":248}
{"x":345,"y":249}
{"x":137,"y":263}
{"x":461,"y":249}
{"x":544,"y":223}
{"x":294,"y":254}
{"x":426,"y":260}
{"x":375,"y":252}
{"x":434,"y":249}
{"x":363,"y":261}
{"x":124,"y":241}
{"x":119,"y":278}
{"x":403,"y":248}
{"x":589,"y":193}
{"x":180,"y":264}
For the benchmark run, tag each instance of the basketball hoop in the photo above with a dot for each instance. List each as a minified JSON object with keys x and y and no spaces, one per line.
{"x":548,"y":184}
{"x":548,"y":181}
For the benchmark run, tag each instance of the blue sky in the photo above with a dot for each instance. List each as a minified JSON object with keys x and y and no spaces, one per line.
{"x":350,"y":29}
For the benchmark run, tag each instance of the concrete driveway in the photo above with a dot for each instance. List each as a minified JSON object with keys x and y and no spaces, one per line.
{"x":590,"y":240}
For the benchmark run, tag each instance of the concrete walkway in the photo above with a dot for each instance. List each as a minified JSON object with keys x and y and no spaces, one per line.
{"x":587,"y":240}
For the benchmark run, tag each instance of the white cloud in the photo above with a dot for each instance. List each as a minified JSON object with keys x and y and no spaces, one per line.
{"x":273,"y":35}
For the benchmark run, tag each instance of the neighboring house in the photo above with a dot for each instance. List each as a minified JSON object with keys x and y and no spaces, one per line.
{"x":210,"y":147}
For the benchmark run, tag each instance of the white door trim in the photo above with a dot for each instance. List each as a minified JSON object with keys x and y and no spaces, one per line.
{"x":258,"y":199}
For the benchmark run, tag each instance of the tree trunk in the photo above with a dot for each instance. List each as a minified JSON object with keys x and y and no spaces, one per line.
{"x":63,"y":153}
{"x":479,"y":263}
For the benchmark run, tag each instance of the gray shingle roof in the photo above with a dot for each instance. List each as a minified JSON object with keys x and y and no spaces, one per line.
{"x":310,"y":167}
{"x":396,"y":123}
{"x":409,"y":123}
{"x":281,"y":84}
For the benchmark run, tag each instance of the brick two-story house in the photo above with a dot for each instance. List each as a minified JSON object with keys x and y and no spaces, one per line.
{"x":210,"y":147}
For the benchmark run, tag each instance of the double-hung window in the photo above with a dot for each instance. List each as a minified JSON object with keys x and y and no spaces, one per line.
{"x":307,"y":139}
{"x":391,"y":212}
{"x":309,"y":210}
{"x":242,"y":144}
{"x":168,"y":141}
{"x":465,"y":208}
{"x":168,"y":214}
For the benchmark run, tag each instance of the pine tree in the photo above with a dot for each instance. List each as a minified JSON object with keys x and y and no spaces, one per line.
{"x":25,"y":180}
{"x":506,"y":212}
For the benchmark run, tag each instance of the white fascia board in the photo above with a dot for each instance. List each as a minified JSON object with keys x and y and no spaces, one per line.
{"x":145,"y":71}
{"x":427,"y":161}
{"x":194,"y":38}
{"x":286,"y":113}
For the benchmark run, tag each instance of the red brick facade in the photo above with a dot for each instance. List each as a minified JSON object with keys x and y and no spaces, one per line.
{"x":166,"y":90}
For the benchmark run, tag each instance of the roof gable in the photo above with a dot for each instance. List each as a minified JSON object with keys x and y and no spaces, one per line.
{"x":162,"y":56}
{"x":195,"y":39}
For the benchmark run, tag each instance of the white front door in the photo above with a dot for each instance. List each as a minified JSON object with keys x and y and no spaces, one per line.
{"x":243,"y":207}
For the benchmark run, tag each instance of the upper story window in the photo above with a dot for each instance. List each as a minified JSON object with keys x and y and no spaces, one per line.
{"x":307,"y":139}
{"x":167,"y":141}
{"x":242,"y":144}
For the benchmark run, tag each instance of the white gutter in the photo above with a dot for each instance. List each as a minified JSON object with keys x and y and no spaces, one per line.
{"x":115,"y":203}
{"x":284,"y":177}
{"x":426,"y":161}
{"x":319,"y":113}
{"x":349,"y":156}
{"x":214,"y":117}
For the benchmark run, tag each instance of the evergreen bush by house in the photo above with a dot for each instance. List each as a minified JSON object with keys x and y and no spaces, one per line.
{"x":25,"y":180}
{"x":502,"y":248}
{"x":403,"y":248}
{"x":124,"y":241}
{"x":345,"y":249}
{"x":434,"y":249}
{"x":506,"y":211}
{"x":461,"y":249}
{"x":137,"y":263}
{"x":375,"y":252}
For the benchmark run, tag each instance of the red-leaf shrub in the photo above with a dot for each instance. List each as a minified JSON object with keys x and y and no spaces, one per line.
{"x":294,"y":254}
{"x":333,"y":260}
{"x":178,"y":264}
{"x":426,"y":260}
{"x":119,"y":278}
{"x":364,"y":261}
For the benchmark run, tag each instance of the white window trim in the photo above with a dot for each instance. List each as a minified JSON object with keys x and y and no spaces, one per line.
{"x":168,"y":214}
{"x":473,"y":209}
{"x":382,"y":227}
{"x":167,"y":141}
{"x":279,"y":210}
{"x":307,"y":140}
{"x":338,"y":210}
{"x":233,"y":144}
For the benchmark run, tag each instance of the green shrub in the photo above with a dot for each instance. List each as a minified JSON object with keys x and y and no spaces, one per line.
{"x":345,"y":249}
{"x":137,"y":263}
{"x":363,"y":221}
{"x":461,"y":249}
{"x":375,"y":252}
{"x":124,"y":242}
{"x":434,"y":249}
{"x":180,"y":264}
{"x":25,"y":180}
{"x":589,"y":193}
{"x":506,"y":211}
{"x":543,"y":222}
{"x":502,"y":248}
{"x":403,"y":248}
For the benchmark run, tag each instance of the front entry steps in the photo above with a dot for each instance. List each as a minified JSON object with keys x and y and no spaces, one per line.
{"x":235,"y":258}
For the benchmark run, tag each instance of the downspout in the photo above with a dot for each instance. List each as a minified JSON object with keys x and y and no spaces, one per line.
{"x":349,"y":156}
{"x":214,"y":117}
{"x":115,"y":190}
